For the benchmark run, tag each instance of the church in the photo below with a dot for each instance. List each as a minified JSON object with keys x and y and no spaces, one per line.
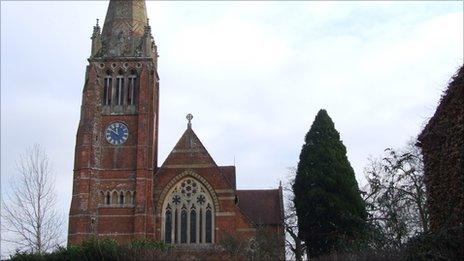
{"x":119,"y":189}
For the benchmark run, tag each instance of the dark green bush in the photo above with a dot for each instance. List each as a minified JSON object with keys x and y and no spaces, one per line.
{"x":443,"y":245}
{"x":148,"y":243}
{"x":101,"y":249}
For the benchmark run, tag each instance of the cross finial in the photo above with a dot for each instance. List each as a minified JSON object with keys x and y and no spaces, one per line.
{"x":97,"y":21}
{"x":189,"y":117}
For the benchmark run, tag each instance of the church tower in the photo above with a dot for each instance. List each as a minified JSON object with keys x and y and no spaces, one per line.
{"x":117,"y":138}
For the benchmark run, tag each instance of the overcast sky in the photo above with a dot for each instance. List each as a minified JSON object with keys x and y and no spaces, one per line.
{"x":253,"y":74}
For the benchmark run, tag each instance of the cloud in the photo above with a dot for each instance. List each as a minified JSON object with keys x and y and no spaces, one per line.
{"x":254,"y":76}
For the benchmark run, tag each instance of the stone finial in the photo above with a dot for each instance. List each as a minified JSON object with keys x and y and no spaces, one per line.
{"x":96,"y":40}
{"x":96,"y":30}
{"x":189,"y":117}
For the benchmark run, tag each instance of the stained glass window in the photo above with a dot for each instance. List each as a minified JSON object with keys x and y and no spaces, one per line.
{"x":208,"y":226}
{"x":193,"y":226}
{"x":168,"y":229}
{"x":193,"y":202}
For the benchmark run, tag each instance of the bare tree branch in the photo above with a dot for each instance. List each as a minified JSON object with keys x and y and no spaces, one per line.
{"x":395,"y":195}
{"x":28,"y":211}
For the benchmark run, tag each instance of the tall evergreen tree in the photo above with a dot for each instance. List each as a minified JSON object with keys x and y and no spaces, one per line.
{"x":330,"y":210}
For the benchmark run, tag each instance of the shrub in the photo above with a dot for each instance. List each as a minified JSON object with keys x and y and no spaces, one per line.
{"x":107,"y":249}
{"x":442,"y":245}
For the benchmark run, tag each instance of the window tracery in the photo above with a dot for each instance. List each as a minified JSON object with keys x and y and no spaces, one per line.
{"x":188,"y":214}
{"x":120,"y":89}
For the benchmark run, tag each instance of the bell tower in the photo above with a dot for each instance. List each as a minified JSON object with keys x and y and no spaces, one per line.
{"x":117,"y":138}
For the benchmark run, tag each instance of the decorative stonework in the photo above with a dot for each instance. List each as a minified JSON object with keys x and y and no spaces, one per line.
{"x":188,"y":213}
{"x":179,"y":177}
{"x":125,"y":30}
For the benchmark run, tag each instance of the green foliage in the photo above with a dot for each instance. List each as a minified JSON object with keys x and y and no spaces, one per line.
{"x":148,"y":243}
{"x":25,"y":256}
{"x":442,"y":245}
{"x":331,"y":213}
{"x":95,"y":248}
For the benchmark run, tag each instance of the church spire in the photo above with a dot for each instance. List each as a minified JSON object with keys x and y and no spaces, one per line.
{"x":124,"y":29}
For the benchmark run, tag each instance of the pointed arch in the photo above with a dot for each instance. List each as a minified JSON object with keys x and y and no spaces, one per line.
{"x":132,"y":88}
{"x":119,"y":88}
{"x":107,"y":198}
{"x":121,"y":198}
{"x":101,"y":197}
{"x":107,"y":88}
{"x":184,"y":174}
{"x":128,"y":198}
{"x":192,"y":207}
{"x":114,"y":197}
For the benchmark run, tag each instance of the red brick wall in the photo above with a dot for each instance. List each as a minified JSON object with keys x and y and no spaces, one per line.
{"x":101,"y":166}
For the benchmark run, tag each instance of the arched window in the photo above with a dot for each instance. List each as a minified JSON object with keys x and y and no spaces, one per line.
{"x":119,"y":91}
{"x":107,"y":86}
{"x":188,"y":214}
{"x":121,"y":198}
{"x":168,"y":224}
{"x":127,"y":198}
{"x":108,"y":198}
{"x":114,"y":198}
{"x":132,"y":89}
{"x":209,"y":224}
{"x":102,"y":197}
{"x":193,"y":225}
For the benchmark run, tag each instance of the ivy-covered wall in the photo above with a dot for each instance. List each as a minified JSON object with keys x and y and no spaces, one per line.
{"x":442,"y":143}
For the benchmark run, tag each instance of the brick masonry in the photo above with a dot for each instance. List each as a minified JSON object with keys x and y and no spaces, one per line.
{"x":132,"y":167}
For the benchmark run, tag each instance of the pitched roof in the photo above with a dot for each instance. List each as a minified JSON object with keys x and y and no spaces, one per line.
{"x":263,"y":207}
{"x":189,"y":151}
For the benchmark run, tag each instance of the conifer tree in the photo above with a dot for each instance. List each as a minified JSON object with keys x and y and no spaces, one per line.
{"x":330,"y":210}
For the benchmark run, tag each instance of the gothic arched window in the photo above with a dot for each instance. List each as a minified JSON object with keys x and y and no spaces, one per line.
{"x":107,"y":198}
{"x":102,"y":197}
{"x":114,"y":198}
{"x":121,"y":198}
{"x":119,"y":92}
{"x":188,"y":214}
{"x":127,"y":198}
{"x":107,"y":86}
{"x":132,"y":89}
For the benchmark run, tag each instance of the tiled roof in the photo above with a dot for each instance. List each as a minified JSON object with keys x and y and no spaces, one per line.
{"x":263,"y":207}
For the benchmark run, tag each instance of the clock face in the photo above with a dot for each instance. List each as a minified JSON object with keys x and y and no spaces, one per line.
{"x":117,"y":133}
